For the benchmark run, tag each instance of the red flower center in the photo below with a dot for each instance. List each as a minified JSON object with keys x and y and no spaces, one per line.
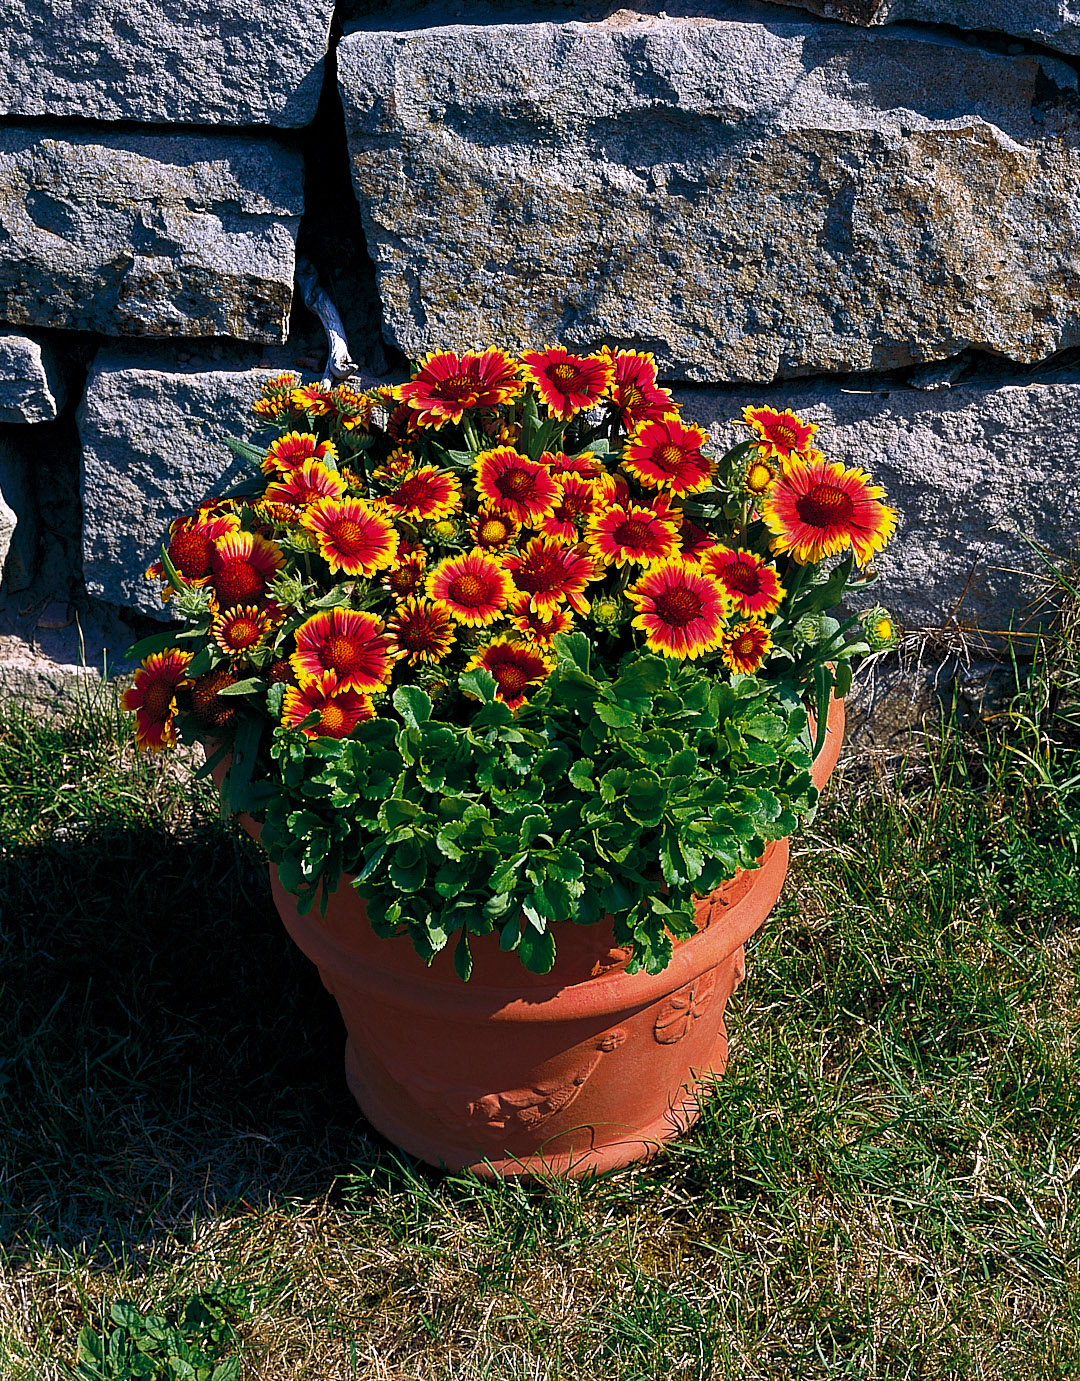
{"x":564,"y":376}
{"x":541,"y":571}
{"x":420,"y":633}
{"x":510,"y":677}
{"x":190,"y":554}
{"x":348,"y":537}
{"x":743,"y":576}
{"x":669,"y":457}
{"x":492,"y":531}
{"x":823,"y":505}
{"x":242,"y":632}
{"x":515,"y":484}
{"x":632,"y":533}
{"x":678,"y":606}
{"x":158,"y":701}
{"x":237,"y":580}
{"x":779,"y":433}
{"x":467,"y":589}
{"x":457,"y":388}
{"x":205,"y":699}
{"x":631,"y":396}
{"x":340,"y":654}
{"x":574,"y":506}
{"x":404,"y":580}
{"x":745,"y":646}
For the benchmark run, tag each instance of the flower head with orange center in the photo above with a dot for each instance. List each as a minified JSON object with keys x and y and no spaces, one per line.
{"x":241,"y":628}
{"x":242,"y":565}
{"x":780,"y":434}
{"x":585,"y":465}
{"x":536,"y":627}
{"x":492,"y":529}
{"x":153,"y":698}
{"x":570,"y":510}
{"x":518,"y":669}
{"x":680,"y":610}
{"x":752,"y":584}
{"x":427,"y":494}
{"x":406,"y":575}
{"x":447,"y":384}
{"x":275,"y":398}
{"x":665,"y":454}
{"x":292,"y":449}
{"x":309,"y":481}
{"x":632,"y":532}
{"x":759,"y":477}
{"x":420,"y":630}
{"x":208,"y":704}
{"x":818,"y":510}
{"x":745,"y":647}
{"x":314,"y":399}
{"x":634,"y":389}
{"x":510,"y":481}
{"x":339,"y":711}
{"x":551,"y":574}
{"x":352,"y":537}
{"x":566,"y":383}
{"x":476,"y":588}
{"x":190,"y":547}
{"x":348,"y":642}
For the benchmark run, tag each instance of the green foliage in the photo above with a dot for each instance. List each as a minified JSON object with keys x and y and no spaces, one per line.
{"x":144,"y":1345}
{"x":624,"y":795}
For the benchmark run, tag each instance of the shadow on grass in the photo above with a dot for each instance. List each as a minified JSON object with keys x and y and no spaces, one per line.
{"x":166,"y":1050}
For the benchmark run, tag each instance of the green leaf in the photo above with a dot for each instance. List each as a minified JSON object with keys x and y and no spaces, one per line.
{"x":156,"y":642}
{"x":581,"y":775}
{"x":247,"y":686}
{"x":245,"y":450}
{"x":574,"y":648}
{"x":478,"y":683}
{"x":463,"y":962}
{"x":537,"y":950}
{"x":412,"y":705}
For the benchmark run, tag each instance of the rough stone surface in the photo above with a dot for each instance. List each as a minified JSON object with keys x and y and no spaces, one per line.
{"x":148,"y":235}
{"x":967,"y":467}
{"x":31,"y":383}
{"x":751,"y":197}
{"x":164,"y":61}
{"x":1055,"y":23}
{"x":19,"y":526}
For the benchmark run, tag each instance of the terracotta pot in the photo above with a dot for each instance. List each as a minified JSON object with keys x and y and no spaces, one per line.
{"x":583,"y":1069}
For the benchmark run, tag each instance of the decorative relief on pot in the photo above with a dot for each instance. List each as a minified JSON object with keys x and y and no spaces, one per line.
{"x":683,"y":1008}
{"x":517,"y":1110}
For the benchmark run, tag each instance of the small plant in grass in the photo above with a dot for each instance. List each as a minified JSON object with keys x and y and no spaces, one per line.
{"x":190,"y":1347}
{"x":513,"y":643}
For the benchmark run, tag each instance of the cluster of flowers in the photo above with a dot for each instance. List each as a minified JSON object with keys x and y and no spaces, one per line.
{"x":465,"y":518}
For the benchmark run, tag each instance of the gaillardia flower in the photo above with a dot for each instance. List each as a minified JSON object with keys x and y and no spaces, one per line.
{"x":537,"y":627}
{"x":820,"y":509}
{"x":492,"y":529}
{"x":406,"y":575}
{"x":759,"y":477}
{"x":314,"y":399}
{"x":752,"y":584}
{"x":190,"y":547}
{"x":339,"y":711}
{"x":426,"y":493}
{"x":241,"y":628}
{"x":632,"y":532}
{"x":352,"y":411}
{"x":781,"y":434}
{"x":745,"y":646}
{"x":516,"y":667}
{"x":292,"y":449}
{"x":275,"y":398}
{"x":680,"y":610}
{"x":153,"y":698}
{"x":514,"y":483}
{"x":308,"y":481}
{"x":446,"y":384}
{"x":242,"y":565}
{"x":348,"y":642}
{"x":475,"y":587}
{"x":551,"y":573}
{"x":352,"y":537}
{"x":420,"y":630}
{"x":567,"y":383}
{"x":208,"y":704}
{"x":634,"y":389}
{"x":586,"y":464}
{"x":576,"y":499}
{"x":666,"y":454}
{"x":880,"y":629}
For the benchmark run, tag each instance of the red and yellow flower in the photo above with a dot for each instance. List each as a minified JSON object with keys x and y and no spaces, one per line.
{"x":586,"y":464}
{"x":551,"y":574}
{"x":339,"y":711}
{"x":745,"y":646}
{"x":665,"y":454}
{"x":241,"y":628}
{"x":510,"y":481}
{"x":351,"y":410}
{"x":190,"y":548}
{"x":518,"y":669}
{"x":780,"y":434}
{"x":406,"y":575}
{"x":537,"y":627}
{"x":447,"y":384}
{"x":694,"y":540}
{"x":632,"y":532}
{"x":309,"y":481}
{"x":566,"y":383}
{"x":292,"y":449}
{"x":153,"y":698}
{"x":348,"y":642}
{"x":242,"y":565}
{"x":475,"y":587}
{"x":493,"y":530}
{"x":820,"y":509}
{"x":207,"y":702}
{"x":634,"y":389}
{"x":352,"y":537}
{"x":570,"y":510}
{"x":275,"y":398}
{"x":680,"y":610}
{"x":752,"y":584}
{"x":426,"y":493}
{"x":314,"y":399}
{"x":420,"y":630}
{"x":760,"y":475}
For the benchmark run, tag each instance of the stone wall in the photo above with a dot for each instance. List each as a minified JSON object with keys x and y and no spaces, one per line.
{"x":866,"y":209}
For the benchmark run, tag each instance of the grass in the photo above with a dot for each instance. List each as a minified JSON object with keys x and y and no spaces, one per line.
{"x":885,"y":1184}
